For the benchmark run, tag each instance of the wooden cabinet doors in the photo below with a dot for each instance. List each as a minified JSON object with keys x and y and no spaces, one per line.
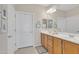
{"x":50,"y":44}
{"x":44,"y":40}
{"x":70,"y":48}
{"x":54,"y":45}
{"x":57,"y":46}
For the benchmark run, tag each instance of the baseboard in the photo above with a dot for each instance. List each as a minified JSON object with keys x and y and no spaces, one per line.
{"x":37,"y":45}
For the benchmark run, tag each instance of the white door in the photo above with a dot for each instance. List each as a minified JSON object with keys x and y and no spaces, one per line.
{"x":24,"y":30}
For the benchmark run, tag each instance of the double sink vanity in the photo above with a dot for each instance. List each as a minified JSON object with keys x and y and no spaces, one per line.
{"x":60,"y":42}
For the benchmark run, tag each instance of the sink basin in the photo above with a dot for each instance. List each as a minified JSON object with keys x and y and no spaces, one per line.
{"x":65,"y":35}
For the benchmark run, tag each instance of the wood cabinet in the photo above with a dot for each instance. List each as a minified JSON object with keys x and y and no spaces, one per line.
{"x":54,"y":45}
{"x":50,"y":44}
{"x":57,"y":46}
{"x":44,"y":40}
{"x":70,"y":48}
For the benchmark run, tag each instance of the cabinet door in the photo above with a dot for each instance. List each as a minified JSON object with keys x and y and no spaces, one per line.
{"x":57,"y":46}
{"x":50,"y":44}
{"x":45,"y":41}
{"x":42,"y":40}
{"x":70,"y":48}
{"x":50,"y":50}
{"x":50,"y":41}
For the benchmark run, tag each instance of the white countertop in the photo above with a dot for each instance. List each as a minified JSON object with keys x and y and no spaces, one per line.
{"x":64,"y":36}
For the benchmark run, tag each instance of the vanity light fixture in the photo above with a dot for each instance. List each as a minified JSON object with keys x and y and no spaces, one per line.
{"x":51,"y":10}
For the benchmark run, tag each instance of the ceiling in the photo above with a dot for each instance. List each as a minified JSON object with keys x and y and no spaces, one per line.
{"x":45,"y":5}
{"x":63,"y":7}
{"x":66,"y":7}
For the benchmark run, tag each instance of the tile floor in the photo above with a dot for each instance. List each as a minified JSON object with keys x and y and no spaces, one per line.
{"x":28,"y":50}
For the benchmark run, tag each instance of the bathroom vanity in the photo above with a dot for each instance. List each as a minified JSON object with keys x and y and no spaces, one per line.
{"x":60,"y":43}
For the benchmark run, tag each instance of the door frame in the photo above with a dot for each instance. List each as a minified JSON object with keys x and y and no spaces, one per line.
{"x":32,"y":23}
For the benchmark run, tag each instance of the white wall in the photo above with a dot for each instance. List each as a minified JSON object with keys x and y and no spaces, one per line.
{"x":3,"y":43}
{"x":7,"y":44}
{"x":3,"y":37}
{"x":0,"y":18}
